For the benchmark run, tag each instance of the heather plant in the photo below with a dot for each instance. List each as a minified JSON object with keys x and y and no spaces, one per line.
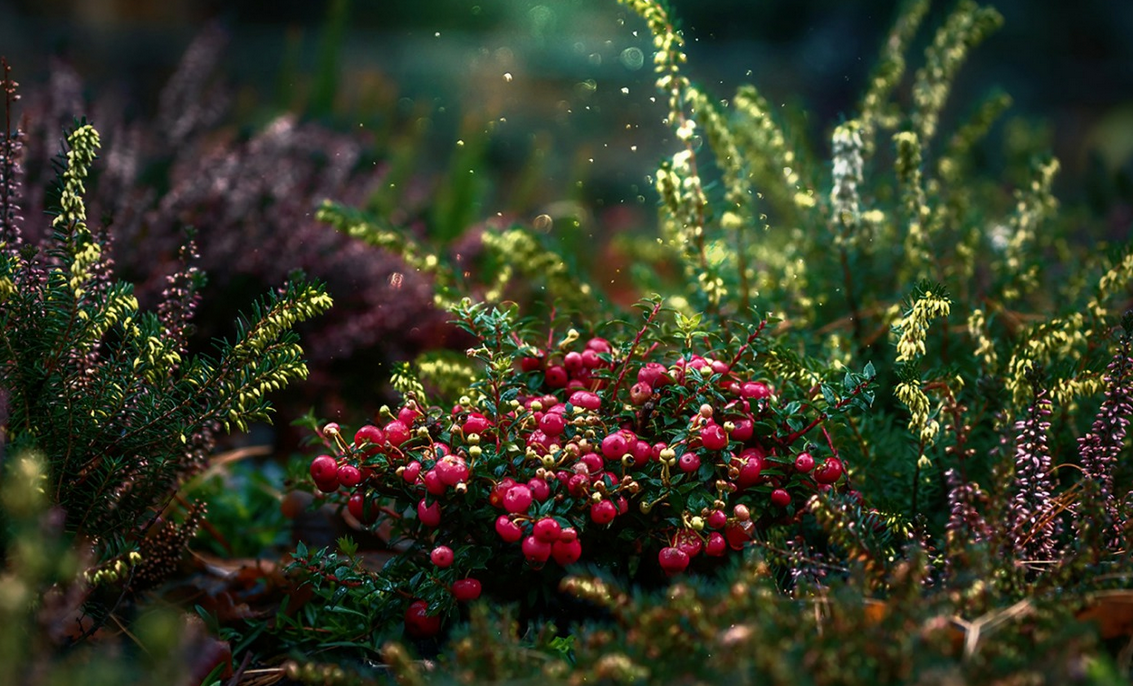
{"x":250,"y":192}
{"x":109,"y":396}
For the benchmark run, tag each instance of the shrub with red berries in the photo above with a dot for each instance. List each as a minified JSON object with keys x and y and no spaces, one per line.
{"x":652,"y":454}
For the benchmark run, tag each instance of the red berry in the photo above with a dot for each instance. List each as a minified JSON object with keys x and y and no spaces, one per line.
{"x":804,"y":462}
{"x":419,"y":623}
{"x":592,"y":462}
{"x":433,"y":483}
{"x":535,"y":551}
{"x":716,"y":545}
{"x":689,"y":543}
{"x":452,"y":470}
{"x":465,"y":590}
{"x":476,"y":423}
{"x":412,"y":470}
{"x":590,"y":359}
{"x":359,"y":510}
{"x":517,"y":499}
{"x":780,"y":498}
{"x":430,"y":515}
{"x":508,"y":530}
{"x":598,"y":345}
{"x":552,"y":424}
{"x":573,"y":362}
{"x":654,"y":374}
{"x":327,"y":486}
{"x":755,"y":390}
{"x":531,"y":364}
{"x":751,"y":465}
{"x":585,"y":400}
{"x":408,"y":415}
{"x":603,"y":512}
{"x":566,"y":552}
{"x":830,"y":471}
{"x":672,"y":560}
{"x":738,"y":535}
{"x":614,"y":446}
{"x":324,"y":468}
{"x":556,"y":377}
{"x":689,"y":462}
{"x":568,"y":534}
{"x":713,"y":437}
{"x":717,"y":519}
{"x":442,"y":556}
{"x":368,"y":434}
{"x":640,"y":393}
{"x":640,"y":451}
{"x":547,"y":530}
{"x":744,"y":429}
{"x":349,"y":475}
{"x":396,"y":433}
{"x":540,"y":489}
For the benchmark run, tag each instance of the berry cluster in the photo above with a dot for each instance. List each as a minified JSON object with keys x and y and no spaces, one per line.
{"x":573,"y":449}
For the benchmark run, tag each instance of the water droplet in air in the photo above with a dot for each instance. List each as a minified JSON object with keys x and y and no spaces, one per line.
{"x":632,"y":58}
{"x":507,"y":76}
{"x":543,"y":223}
{"x":395,"y":279}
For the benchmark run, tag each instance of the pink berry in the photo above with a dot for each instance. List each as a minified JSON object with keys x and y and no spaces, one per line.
{"x":573,"y":362}
{"x":419,"y":623}
{"x":744,"y":429}
{"x":717,"y":519}
{"x":508,"y":530}
{"x":717,"y":545}
{"x":452,"y":470}
{"x":465,"y":590}
{"x":653,"y":373}
{"x":408,"y":415}
{"x":433,"y":483}
{"x":755,"y":390}
{"x":566,"y":552}
{"x":672,"y":560}
{"x":689,"y":543}
{"x":590,"y":359}
{"x":368,"y":434}
{"x":430,"y":515}
{"x":412,"y":470}
{"x":535,"y":551}
{"x":476,"y":423}
{"x":540,"y":489}
{"x":349,"y":475}
{"x":556,"y":377}
{"x":324,"y":468}
{"x":552,"y":424}
{"x":442,"y":556}
{"x":517,"y":499}
{"x":689,"y":462}
{"x":396,"y":433}
{"x":547,"y":530}
{"x":713,"y":437}
{"x":358,"y":509}
{"x":804,"y":462}
{"x":592,"y":462}
{"x":830,"y":471}
{"x":603,"y":512}
{"x":585,"y":400}
{"x":614,"y":446}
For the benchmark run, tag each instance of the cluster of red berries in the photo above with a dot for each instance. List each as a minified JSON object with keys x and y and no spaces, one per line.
{"x":689,"y":453}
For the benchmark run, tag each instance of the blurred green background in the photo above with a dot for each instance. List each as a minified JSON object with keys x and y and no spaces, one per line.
{"x":572,"y":75}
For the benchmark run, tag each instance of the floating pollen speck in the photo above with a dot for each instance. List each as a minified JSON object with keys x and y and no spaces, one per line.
{"x":395,"y":279}
{"x":507,"y":76}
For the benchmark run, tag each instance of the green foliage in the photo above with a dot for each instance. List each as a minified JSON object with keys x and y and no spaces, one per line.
{"x":107,"y":394}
